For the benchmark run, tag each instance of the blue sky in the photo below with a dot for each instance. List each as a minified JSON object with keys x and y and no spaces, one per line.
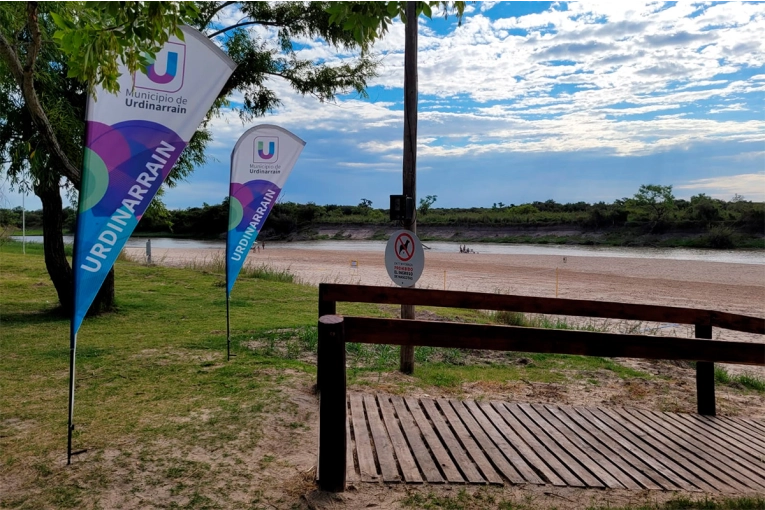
{"x":533,"y":101}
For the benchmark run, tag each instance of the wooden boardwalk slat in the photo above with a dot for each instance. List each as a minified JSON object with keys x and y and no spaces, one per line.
{"x":490,"y":448}
{"x":506,"y":448}
{"x":400,"y":447}
{"x":748,"y":426}
{"x":450,"y":471}
{"x":351,"y":475}
{"x":731,"y":431}
{"x":598,"y":465}
{"x":412,"y":433}
{"x":516,"y":419}
{"x":552,"y":469}
{"x":394,"y":439}
{"x":657,"y":472}
{"x":469,"y":444}
{"x":552,"y":440}
{"x":649,"y":449}
{"x":697,"y":461}
{"x":760,"y":425}
{"x":364,"y":453}
{"x":383,"y":447}
{"x":629,"y":476}
{"x":717,"y":458}
{"x":465,"y":465}
{"x":519,"y":444}
{"x":730,"y":447}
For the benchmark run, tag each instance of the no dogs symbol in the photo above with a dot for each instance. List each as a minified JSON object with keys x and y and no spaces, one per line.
{"x":404,"y":247}
{"x":404,"y":258}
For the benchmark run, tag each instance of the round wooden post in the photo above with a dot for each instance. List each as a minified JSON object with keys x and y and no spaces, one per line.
{"x":705,"y":377}
{"x":332,"y":406}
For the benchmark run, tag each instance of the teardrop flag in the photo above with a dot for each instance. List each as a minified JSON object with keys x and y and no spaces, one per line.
{"x":260,"y":164}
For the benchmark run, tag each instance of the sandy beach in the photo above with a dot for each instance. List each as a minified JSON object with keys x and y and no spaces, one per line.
{"x":738,"y":288}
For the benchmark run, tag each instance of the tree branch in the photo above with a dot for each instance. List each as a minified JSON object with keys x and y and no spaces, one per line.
{"x":24,"y":76}
{"x":214,"y":12}
{"x":246,"y":23}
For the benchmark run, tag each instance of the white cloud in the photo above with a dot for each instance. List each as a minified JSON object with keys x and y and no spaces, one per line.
{"x":751,"y":186}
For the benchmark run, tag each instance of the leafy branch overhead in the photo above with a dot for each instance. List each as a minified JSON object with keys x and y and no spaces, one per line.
{"x":96,"y":39}
{"x":369,"y":21}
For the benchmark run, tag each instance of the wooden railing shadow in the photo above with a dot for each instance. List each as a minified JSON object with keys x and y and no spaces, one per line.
{"x":335,"y":331}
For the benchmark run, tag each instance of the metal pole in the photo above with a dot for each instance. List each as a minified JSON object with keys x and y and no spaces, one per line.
{"x":148,"y":251}
{"x":23,"y":225}
{"x":228,"y":330}
{"x":70,"y":428}
{"x":406,"y":364}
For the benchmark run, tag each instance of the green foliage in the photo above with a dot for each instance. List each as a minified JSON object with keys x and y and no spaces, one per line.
{"x":369,"y":21}
{"x":96,"y":37}
{"x":654,"y":202}
{"x":746,"y":380}
{"x":426,"y":202}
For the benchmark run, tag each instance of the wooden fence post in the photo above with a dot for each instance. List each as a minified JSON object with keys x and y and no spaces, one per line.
{"x":325,"y":308}
{"x":705,"y":377}
{"x":332,"y":405}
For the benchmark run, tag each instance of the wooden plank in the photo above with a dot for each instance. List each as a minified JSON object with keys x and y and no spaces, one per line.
{"x":598,"y":465}
{"x":756,"y":424}
{"x":383,"y":447}
{"x":652,"y":450}
{"x":717,"y":458}
{"x":519,"y":444}
{"x":730,"y":446}
{"x":469,"y":443}
{"x":759,"y":425}
{"x":450,"y":471}
{"x":702,"y":464}
{"x":629,"y":476}
{"x":506,"y":448}
{"x":656,"y":471}
{"x":400,"y":447}
{"x":351,"y":475}
{"x":729,"y":428}
{"x":490,"y":448}
{"x":461,"y":458}
{"x":582,"y":476}
{"x":363,"y":443}
{"x":523,"y":339}
{"x":748,"y":424}
{"x":530,"y":304}
{"x":412,"y":433}
{"x":562,"y":476}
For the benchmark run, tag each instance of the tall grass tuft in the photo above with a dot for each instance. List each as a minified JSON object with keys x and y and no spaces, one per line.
{"x":746,"y":380}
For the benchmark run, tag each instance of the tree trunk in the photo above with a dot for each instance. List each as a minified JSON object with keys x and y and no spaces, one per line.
{"x":53,"y":242}
{"x":56,"y":263}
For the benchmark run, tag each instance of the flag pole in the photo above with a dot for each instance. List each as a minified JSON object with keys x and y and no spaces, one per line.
{"x":70,"y":427}
{"x":228,"y":328}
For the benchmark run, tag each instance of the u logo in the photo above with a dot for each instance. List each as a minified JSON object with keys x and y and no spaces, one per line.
{"x":170,"y":71}
{"x":262,"y":154}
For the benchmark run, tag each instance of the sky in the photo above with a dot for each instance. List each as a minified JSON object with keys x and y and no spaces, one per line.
{"x":529,"y":101}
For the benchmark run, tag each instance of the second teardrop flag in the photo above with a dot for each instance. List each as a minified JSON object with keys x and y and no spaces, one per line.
{"x":260,"y":164}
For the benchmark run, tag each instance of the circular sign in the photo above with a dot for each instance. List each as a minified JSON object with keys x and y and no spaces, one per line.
{"x":404,"y":258}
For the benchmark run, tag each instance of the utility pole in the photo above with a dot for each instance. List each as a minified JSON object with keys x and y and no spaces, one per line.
{"x":410,"y":152}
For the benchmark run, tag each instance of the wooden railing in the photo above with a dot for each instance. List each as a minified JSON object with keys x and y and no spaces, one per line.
{"x":335,"y":331}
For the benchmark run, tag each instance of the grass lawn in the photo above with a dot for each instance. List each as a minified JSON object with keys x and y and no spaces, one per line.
{"x":163,"y":419}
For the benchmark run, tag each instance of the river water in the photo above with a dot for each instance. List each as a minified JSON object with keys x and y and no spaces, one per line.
{"x":728,"y":256}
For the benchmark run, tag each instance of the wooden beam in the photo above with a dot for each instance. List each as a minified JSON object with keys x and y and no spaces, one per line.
{"x":553,"y":306}
{"x":512,"y":338}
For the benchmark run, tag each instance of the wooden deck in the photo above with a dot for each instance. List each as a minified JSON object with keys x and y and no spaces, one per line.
{"x":410,"y":440}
